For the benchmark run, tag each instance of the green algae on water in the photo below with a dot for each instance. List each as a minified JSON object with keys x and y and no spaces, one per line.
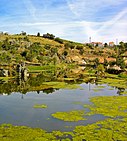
{"x":106,"y":130}
{"x":40,"y":106}
{"x":75,"y":115}
{"x":112,"y":106}
{"x":113,"y":128}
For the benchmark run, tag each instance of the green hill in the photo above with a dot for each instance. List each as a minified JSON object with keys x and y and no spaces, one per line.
{"x":51,"y":50}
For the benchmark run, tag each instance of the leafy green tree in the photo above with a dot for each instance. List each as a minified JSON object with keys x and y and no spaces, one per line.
{"x":24,"y":53}
{"x":47,"y":46}
{"x":49,"y":36}
{"x":26,"y":39}
{"x":105,"y":44}
{"x":69,"y":45}
{"x":105,"y":62}
{"x":23,"y":33}
{"x":96,"y":62}
{"x":120,"y":62}
{"x":80,"y":48}
{"x":57,"y":39}
{"x":100,"y":70}
{"x":54,"y":51}
{"x":38,"y":34}
{"x":65,"y":53}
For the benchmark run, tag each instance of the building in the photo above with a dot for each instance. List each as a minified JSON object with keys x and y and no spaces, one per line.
{"x":111,"y":44}
{"x":99,"y":44}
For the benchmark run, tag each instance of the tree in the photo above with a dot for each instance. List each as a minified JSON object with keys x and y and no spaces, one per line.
{"x":80,"y":48}
{"x":23,"y":33}
{"x":120,"y":62}
{"x":49,"y":36}
{"x":54,"y":51}
{"x":69,"y":45}
{"x":57,"y":39}
{"x":100,"y":70}
{"x":105,"y":62}
{"x":38,"y":34}
{"x":96,"y":61}
{"x":65,"y":53}
{"x":105,"y":44}
{"x":24,"y":53}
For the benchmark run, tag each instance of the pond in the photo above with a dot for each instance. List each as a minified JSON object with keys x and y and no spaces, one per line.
{"x":19,"y":98}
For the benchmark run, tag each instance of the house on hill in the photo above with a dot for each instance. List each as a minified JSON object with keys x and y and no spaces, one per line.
{"x":99,"y":44}
{"x":111,"y":44}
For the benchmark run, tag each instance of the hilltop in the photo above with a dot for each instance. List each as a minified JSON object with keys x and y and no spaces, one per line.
{"x":48,"y":49}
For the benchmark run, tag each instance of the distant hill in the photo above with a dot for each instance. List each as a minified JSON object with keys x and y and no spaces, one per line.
{"x":48,"y":49}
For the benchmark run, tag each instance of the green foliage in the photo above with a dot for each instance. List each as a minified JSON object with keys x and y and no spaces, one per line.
{"x":120,"y":62}
{"x":96,"y":62}
{"x":112,"y":63}
{"x":105,"y":62}
{"x":57,"y":39}
{"x":47,"y":46}
{"x":38,"y":34}
{"x":100,"y":70}
{"x":24,"y":53}
{"x":105,"y":44}
{"x":123,"y":75}
{"x":49,"y":36}
{"x":69,"y":45}
{"x":65,"y":53}
{"x":5,"y":57}
{"x":48,"y":50}
{"x":23,"y":33}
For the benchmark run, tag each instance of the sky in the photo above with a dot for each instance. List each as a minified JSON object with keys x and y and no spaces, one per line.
{"x":76,"y":20}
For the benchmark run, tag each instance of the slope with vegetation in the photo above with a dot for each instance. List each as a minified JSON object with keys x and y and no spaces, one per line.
{"x":51,"y":50}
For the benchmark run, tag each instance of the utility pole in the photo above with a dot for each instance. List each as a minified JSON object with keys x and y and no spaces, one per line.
{"x":116,"y":42}
{"x":89,"y":39}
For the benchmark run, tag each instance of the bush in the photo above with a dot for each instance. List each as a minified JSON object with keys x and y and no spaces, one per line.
{"x":49,"y":36}
{"x":59,"y":40}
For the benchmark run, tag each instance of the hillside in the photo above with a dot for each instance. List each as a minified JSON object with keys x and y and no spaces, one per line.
{"x":47,"y":49}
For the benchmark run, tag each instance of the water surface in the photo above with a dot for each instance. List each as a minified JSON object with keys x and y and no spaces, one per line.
{"x":17,"y":108}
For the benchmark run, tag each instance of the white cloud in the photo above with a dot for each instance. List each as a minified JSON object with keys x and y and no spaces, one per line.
{"x":90,"y":7}
{"x":101,"y":31}
{"x":60,"y":21}
{"x":30,"y":7}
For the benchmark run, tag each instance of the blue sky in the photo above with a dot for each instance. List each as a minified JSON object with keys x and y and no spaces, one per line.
{"x":77,"y":20}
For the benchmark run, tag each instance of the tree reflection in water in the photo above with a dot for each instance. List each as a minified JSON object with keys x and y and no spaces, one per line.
{"x":35,"y":82}
{"x":39,"y":81}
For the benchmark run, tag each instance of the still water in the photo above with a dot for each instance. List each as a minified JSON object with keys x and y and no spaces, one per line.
{"x":17,"y":108}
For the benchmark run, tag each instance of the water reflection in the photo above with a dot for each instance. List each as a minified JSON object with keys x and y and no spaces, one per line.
{"x":35,"y":82}
{"x":39,"y":88}
{"x":38,"y":81}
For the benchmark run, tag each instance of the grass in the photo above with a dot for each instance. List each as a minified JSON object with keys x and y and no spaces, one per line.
{"x":5,"y":78}
{"x":40,"y":68}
